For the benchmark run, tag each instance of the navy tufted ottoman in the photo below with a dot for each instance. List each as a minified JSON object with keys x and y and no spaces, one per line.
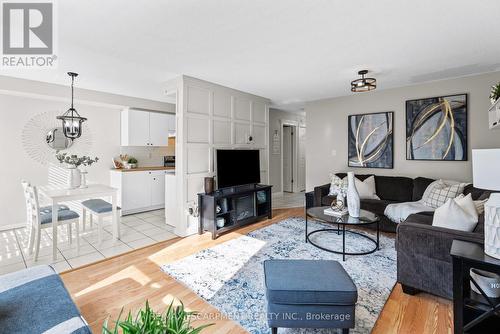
{"x":309,"y":294}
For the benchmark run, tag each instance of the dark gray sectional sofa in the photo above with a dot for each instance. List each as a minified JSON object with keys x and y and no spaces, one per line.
{"x":423,"y":250}
{"x":390,"y":189}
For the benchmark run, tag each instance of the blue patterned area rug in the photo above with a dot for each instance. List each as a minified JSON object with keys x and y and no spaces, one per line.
{"x":230,"y":275}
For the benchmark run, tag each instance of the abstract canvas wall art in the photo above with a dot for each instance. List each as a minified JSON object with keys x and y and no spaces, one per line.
{"x":370,"y":140}
{"x":436,"y":128}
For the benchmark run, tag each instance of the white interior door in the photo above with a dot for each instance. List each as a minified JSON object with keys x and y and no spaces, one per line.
{"x":301,"y":160}
{"x":288,"y":159}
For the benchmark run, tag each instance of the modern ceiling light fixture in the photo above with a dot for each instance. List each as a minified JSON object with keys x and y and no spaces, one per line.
{"x":71,"y":119}
{"x":363,"y":84}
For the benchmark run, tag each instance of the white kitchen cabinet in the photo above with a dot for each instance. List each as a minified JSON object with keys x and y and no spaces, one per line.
{"x":139,"y":191}
{"x":135,"y":128}
{"x":145,"y":128}
{"x":157,"y":188}
{"x":135,"y":191}
{"x":159,"y":127}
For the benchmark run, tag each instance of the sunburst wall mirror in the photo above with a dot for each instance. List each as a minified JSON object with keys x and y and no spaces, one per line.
{"x":43,"y":135}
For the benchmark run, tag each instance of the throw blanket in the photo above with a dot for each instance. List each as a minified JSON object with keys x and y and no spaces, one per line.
{"x":398,"y":212}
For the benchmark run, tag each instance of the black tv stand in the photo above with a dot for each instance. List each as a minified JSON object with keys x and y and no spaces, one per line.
{"x":235,"y":206}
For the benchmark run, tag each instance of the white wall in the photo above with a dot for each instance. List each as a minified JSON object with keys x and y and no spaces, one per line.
{"x":327,"y":129}
{"x":18,"y":108}
{"x":15,"y":112}
{"x":276,"y":117}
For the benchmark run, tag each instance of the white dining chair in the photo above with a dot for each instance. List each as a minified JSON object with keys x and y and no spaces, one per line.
{"x":99,"y":208}
{"x":39,"y":218}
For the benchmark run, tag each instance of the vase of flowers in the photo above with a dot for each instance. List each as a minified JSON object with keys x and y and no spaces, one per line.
{"x":73,"y":162}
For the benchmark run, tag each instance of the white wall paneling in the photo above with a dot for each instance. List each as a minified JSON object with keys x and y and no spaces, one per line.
{"x":195,"y":185}
{"x":221,"y":132}
{"x":198,"y":159}
{"x":263,"y":176}
{"x":211,"y":117}
{"x":198,"y":100}
{"x":258,"y":112}
{"x":222,"y":104}
{"x":263,"y":159}
{"x":259,"y":135}
{"x":242,"y":109}
{"x":198,"y":130}
{"x":241,"y":132}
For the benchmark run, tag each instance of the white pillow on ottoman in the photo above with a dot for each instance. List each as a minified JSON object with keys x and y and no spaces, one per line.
{"x":454,"y":216}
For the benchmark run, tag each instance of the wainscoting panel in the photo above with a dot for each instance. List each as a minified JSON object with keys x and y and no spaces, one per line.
{"x":222,"y":104}
{"x":198,"y":159}
{"x":263,"y":159}
{"x":198,"y":100}
{"x":259,"y":135}
{"x":259,"y":112}
{"x":221,"y":132}
{"x":197,"y":130}
{"x":194,"y":186}
{"x":242,"y":109}
{"x":241,"y":133}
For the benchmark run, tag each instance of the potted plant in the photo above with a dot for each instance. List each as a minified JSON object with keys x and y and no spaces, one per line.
{"x":495,"y":93}
{"x":132,"y":162}
{"x":175,"y":320}
{"x":72,"y":162}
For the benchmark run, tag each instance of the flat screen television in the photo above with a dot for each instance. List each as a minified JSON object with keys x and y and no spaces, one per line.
{"x":237,"y":167}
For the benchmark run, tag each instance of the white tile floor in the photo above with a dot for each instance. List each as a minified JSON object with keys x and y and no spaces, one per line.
{"x":289,"y":200}
{"x":137,"y":231}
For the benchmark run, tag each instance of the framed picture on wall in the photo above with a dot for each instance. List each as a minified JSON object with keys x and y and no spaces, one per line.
{"x":436,"y":128}
{"x":370,"y":140}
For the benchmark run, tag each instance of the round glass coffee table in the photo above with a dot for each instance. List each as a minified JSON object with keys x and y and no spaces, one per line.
{"x":366,"y":218}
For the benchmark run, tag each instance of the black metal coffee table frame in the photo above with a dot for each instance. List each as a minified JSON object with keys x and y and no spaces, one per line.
{"x":342,"y":221}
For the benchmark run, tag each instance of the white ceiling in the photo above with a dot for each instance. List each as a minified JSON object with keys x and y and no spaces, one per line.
{"x":287,"y":50}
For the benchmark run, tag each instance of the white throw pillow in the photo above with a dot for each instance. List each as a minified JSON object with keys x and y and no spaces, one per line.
{"x":467,"y":204}
{"x":442,"y":191}
{"x":430,"y":187}
{"x":366,"y":189}
{"x":453,"y":216}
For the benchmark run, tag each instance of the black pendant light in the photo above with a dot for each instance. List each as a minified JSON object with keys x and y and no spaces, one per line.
{"x":363,"y":84}
{"x":71,"y":119}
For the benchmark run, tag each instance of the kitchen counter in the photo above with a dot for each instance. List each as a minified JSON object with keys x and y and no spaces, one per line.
{"x":142,"y":169}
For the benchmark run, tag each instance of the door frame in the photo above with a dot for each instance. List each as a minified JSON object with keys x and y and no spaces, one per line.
{"x":294,"y":124}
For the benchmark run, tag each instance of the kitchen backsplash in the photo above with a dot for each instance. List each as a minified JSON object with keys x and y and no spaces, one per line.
{"x":148,"y":156}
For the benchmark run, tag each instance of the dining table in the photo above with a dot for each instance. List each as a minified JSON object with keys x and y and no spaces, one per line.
{"x":56,"y":195}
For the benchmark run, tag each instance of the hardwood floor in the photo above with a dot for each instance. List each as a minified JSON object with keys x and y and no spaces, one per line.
{"x":102,"y":289}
